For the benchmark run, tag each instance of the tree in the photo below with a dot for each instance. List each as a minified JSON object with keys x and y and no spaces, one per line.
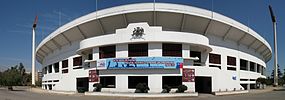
{"x":279,"y":73}
{"x":14,"y":76}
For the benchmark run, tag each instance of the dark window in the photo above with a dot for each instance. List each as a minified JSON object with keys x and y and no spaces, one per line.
{"x":215,"y":66}
{"x":231,"y":68}
{"x":49,"y":68}
{"x":173,"y":50}
{"x":214,"y":58}
{"x":134,"y":80}
{"x":252,"y":66}
{"x":137,"y":50}
{"x":172,"y":81}
{"x":45,"y":70}
{"x":65,"y":63}
{"x":231,"y":61}
{"x":258,"y":68}
{"x":243,"y":64}
{"x":196,"y":54}
{"x":77,"y":61}
{"x":243,"y":79}
{"x":107,"y":52}
{"x":64,"y":71}
{"x":55,"y":80}
{"x":108,"y":81}
{"x":90,"y":56}
{"x":56,"y":67}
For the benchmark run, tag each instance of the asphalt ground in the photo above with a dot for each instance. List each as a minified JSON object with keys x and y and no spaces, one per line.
{"x":21,"y":93}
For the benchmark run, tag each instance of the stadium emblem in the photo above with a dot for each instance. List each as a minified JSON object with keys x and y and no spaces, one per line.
{"x":138,"y":33}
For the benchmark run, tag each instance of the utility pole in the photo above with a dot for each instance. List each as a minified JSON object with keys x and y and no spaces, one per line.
{"x":275,"y":47}
{"x":33,"y":51}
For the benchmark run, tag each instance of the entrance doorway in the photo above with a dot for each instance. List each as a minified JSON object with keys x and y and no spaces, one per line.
{"x":82,"y":84}
{"x":203,"y":84}
{"x":134,"y":80}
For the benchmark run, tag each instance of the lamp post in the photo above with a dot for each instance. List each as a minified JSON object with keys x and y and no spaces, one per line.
{"x":33,"y":51}
{"x":275,"y":47}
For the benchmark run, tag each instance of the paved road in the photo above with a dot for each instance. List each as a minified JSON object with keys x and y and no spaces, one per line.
{"x":25,"y":95}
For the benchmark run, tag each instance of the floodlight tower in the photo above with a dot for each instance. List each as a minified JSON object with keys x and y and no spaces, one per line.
{"x":33,"y":51}
{"x":275,"y":47}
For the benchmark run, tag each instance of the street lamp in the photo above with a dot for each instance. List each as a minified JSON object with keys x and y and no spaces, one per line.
{"x":275,"y":47}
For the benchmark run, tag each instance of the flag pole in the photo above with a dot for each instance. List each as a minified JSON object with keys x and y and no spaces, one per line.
{"x":33,"y":50}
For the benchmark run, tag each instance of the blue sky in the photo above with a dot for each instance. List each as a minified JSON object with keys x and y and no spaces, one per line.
{"x":17,"y":17}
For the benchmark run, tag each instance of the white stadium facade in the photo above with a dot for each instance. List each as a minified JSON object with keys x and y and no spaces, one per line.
{"x":157,"y":44}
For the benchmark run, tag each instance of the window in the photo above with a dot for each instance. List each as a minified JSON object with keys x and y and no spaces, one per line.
{"x":214,"y":58}
{"x":64,"y":63}
{"x":258,"y":68}
{"x":231,"y":68}
{"x":64,"y":71}
{"x":90,"y":56}
{"x":243,"y":64}
{"x":231,"y":61}
{"x":137,"y":50}
{"x":172,"y":81}
{"x":173,"y":50}
{"x":45,"y":70}
{"x":77,"y":61}
{"x":49,"y":68}
{"x":107,"y":52}
{"x":56,"y":67}
{"x":252,"y":66}
{"x":196,"y":54}
{"x":108,"y":81}
{"x":134,"y":80}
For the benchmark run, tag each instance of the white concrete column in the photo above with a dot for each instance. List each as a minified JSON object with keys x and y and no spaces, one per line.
{"x":155,"y":49}
{"x":155,"y":83}
{"x":248,"y":65}
{"x":255,"y":67}
{"x":122,"y":83}
{"x":185,"y":50}
{"x":121,"y":50}
{"x":96,"y":53}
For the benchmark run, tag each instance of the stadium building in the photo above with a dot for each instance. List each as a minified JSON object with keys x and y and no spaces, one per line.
{"x":157,"y":44}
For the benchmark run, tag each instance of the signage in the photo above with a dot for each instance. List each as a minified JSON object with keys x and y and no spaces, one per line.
{"x":138,"y":32}
{"x":188,"y":75}
{"x":144,"y":63}
{"x":93,"y":77}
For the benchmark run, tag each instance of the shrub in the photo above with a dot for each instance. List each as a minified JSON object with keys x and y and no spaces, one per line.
{"x":97,"y":87}
{"x":141,"y":88}
{"x":81,"y":89}
{"x":181,"y":89}
{"x":166,"y":89}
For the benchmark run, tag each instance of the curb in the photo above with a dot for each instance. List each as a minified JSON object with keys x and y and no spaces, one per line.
{"x":141,"y":95}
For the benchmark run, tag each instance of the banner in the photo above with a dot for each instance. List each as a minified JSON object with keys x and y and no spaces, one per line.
{"x":188,"y":75}
{"x":144,"y":63}
{"x":93,"y":77}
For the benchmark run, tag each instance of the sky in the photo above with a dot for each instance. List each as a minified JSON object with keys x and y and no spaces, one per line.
{"x":17,"y":17}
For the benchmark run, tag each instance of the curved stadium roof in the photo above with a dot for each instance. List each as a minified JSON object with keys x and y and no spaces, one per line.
{"x":172,"y":17}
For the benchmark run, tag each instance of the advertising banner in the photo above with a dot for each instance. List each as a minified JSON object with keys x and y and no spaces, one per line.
{"x":93,"y":77}
{"x":144,"y":63}
{"x":188,"y":75}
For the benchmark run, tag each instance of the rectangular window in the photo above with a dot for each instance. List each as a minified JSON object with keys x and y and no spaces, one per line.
{"x":56,"y":67}
{"x":49,"y":68}
{"x":108,"y":81}
{"x":172,"y":81}
{"x":231,"y":68}
{"x":45,"y":70}
{"x":90,"y":56}
{"x":134,"y":80}
{"x":64,"y":71}
{"x":243,"y":64}
{"x":214,"y":58}
{"x":258,"y":68}
{"x":77,"y":61}
{"x":64,"y":63}
{"x":173,"y":50}
{"x":107,"y":52}
{"x":196,"y":54}
{"x":138,"y":50}
{"x":231,"y":61}
{"x":252,"y":66}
